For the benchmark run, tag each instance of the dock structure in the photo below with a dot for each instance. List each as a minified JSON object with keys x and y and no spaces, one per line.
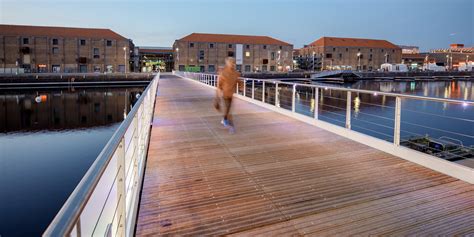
{"x":277,"y":176}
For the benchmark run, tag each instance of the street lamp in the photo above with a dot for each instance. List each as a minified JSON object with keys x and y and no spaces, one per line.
{"x":447,"y":61}
{"x":358,"y":58}
{"x":125,"y":59}
{"x":314,"y":53}
{"x":177,"y":57}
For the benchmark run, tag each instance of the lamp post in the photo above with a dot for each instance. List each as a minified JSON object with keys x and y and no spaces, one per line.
{"x":125,"y":59}
{"x":314,"y":53}
{"x":447,"y":61}
{"x":177,"y":57}
{"x":279,"y":58}
{"x":358,"y":58}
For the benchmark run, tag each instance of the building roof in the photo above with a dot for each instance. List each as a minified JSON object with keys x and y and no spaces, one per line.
{"x":454,"y":50}
{"x":234,"y":39}
{"x":53,"y":31}
{"x":353,"y":42}
{"x":146,"y":49}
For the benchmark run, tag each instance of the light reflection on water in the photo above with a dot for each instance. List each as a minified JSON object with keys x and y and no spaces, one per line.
{"x":46,"y":148}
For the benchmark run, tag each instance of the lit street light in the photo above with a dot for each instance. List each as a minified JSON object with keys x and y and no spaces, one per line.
{"x":447,"y":62}
{"x":358,"y":58}
{"x":125,"y":59}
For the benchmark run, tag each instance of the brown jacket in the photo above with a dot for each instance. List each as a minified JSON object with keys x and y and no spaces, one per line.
{"x":228,"y":78}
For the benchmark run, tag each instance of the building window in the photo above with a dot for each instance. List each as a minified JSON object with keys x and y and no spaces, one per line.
{"x":265,"y":61}
{"x":109,"y":42}
{"x":340,"y":56}
{"x":370,"y":57}
{"x":272,"y":68}
{"x":191,"y":45}
{"x":230,"y":46}
{"x":264,"y":68}
{"x":382,"y":50}
{"x":211,"y":68}
{"x":83,"y":68}
{"x":201,"y":55}
{"x":55,"y":50}
{"x":211,"y":46}
{"x":264,"y":47}
{"x":26,"y":41}
{"x":230,"y":54}
{"x":329,"y":55}
{"x":281,"y":47}
{"x":181,"y":68}
{"x":247,"y":54}
{"x":347,"y":49}
{"x":393,"y":50}
{"x":55,"y":68}
{"x":272,"y":56}
{"x":202,"y":68}
{"x":334,"y":49}
{"x":238,"y":68}
{"x":96,"y":68}
{"x":247,"y":68}
{"x":96,"y":53}
{"x":358,"y":50}
{"x":370,"y":50}
{"x":55,"y":41}
{"x":247,"y":46}
{"x":82,"y":42}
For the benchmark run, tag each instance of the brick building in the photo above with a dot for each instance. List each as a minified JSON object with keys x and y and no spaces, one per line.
{"x":207,"y":52}
{"x":62,"y":49}
{"x":334,"y":53}
{"x":452,"y":57}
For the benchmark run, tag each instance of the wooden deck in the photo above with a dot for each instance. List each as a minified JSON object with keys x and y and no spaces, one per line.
{"x":279,"y":176}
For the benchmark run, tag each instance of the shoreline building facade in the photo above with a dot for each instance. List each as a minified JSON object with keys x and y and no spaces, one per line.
{"x":334,"y":53}
{"x":207,"y":53}
{"x":156,"y":59}
{"x":45,"y":49}
{"x":453,"y":57}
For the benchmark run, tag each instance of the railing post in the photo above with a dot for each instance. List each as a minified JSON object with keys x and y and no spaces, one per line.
{"x":245,"y":87}
{"x":348,"y":110}
{"x":253,"y":89}
{"x":121,"y":188}
{"x":263,"y":91}
{"x":277,"y":100}
{"x":316,"y":102}
{"x":293,"y":99}
{"x":396,"y":127}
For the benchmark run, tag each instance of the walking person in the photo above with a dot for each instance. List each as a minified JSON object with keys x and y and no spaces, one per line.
{"x":227,"y":83}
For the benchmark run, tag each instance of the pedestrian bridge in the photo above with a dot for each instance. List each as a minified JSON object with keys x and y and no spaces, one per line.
{"x":280,"y":174}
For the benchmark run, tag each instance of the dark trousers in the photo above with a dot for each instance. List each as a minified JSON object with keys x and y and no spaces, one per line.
{"x":227,"y":115}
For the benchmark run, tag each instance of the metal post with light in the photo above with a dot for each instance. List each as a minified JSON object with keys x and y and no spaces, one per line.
{"x":358,"y":58}
{"x":447,"y":61}
{"x":177,"y":57}
{"x":125,"y":59}
{"x":314,"y":53}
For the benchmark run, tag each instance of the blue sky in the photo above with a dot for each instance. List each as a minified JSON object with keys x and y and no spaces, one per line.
{"x":425,"y":23}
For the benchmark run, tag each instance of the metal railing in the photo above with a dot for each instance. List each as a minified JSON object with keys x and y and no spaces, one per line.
{"x":105,"y":202}
{"x":419,"y":123}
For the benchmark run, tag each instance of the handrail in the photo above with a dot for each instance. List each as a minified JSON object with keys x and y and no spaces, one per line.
{"x":66,"y":219}
{"x":469,"y":102}
{"x":395,"y":136}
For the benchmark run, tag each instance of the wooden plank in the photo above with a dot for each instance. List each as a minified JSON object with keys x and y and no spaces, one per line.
{"x":280,"y":177}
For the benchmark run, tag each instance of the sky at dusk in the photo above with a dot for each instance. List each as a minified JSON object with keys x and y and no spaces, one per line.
{"x":425,"y":23}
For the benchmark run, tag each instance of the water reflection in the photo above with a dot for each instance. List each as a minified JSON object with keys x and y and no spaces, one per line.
{"x":48,"y":140}
{"x":64,"y":109}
